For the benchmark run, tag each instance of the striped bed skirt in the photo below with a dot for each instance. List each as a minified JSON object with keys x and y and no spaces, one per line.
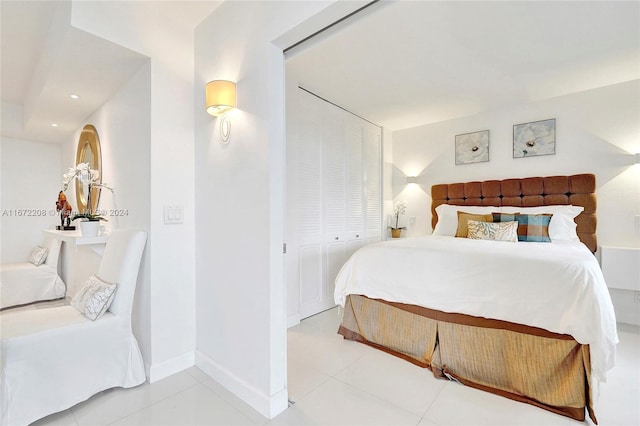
{"x":526,"y":364}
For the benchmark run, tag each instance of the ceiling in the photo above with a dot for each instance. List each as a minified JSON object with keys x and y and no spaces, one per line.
{"x":45,"y":59}
{"x":398,"y":63}
{"x":407,"y":63}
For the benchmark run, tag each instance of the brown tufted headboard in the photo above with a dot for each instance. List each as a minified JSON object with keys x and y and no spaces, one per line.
{"x":578,"y":190}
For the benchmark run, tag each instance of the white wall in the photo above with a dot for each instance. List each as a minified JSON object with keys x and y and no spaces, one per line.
{"x":241,"y":308}
{"x":31,"y":179}
{"x":123,"y":126}
{"x":170,"y":301}
{"x":596,"y":131}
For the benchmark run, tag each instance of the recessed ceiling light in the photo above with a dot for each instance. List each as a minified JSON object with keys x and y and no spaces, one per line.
{"x":54,"y":124}
{"x":74,"y":96}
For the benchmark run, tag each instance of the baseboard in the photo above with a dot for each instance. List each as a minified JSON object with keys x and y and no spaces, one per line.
{"x":171,"y":366}
{"x":268,"y":406}
{"x":293,"y":320}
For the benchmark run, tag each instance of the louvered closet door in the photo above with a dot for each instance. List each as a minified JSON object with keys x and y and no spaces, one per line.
{"x":355,"y":219}
{"x":333,"y":149}
{"x":305,"y":172}
{"x":333,"y":197}
{"x":372,"y":149}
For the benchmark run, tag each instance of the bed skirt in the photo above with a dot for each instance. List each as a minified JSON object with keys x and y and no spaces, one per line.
{"x":527,"y":364}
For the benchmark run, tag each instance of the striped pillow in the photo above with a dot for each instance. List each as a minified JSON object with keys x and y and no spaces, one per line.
{"x":531,"y":227}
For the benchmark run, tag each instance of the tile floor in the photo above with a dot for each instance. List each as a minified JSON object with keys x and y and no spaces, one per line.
{"x":339,"y":382}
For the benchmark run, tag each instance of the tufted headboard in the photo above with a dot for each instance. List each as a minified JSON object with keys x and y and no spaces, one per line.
{"x":578,"y":190}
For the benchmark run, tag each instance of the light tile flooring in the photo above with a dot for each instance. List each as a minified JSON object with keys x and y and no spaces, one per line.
{"x":338,"y":382}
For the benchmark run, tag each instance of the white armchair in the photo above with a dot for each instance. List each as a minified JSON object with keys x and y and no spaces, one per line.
{"x":53,"y":358}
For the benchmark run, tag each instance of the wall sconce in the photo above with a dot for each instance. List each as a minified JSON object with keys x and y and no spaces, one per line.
{"x":412,"y":179}
{"x":221,"y":98}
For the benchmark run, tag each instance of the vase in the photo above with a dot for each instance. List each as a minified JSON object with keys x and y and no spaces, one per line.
{"x":89,"y":228}
{"x":395,"y":232}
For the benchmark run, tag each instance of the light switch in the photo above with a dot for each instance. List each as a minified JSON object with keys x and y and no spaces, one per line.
{"x":173,"y":215}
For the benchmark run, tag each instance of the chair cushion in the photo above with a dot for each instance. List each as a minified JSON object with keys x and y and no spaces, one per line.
{"x":33,"y":323}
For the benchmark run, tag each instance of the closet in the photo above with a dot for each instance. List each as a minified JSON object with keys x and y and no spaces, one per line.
{"x":334,"y":197}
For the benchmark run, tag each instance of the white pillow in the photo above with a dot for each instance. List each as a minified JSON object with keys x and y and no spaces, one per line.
{"x":448,"y":217}
{"x":94,"y":298}
{"x":562,"y":226}
{"x":497,"y":231}
{"x":38,"y":255}
{"x":53,"y":245}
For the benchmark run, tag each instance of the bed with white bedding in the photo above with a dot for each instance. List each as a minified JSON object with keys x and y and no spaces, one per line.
{"x":532,"y":321}
{"x":22,"y":283}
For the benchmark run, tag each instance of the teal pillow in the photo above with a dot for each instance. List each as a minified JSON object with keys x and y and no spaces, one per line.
{"x":531,"y":227}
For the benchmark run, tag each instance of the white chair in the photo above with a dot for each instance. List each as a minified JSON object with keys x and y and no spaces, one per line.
{"x":56,"y":357}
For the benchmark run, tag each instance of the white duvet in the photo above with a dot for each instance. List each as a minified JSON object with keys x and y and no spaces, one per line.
{"x":555,"y":286}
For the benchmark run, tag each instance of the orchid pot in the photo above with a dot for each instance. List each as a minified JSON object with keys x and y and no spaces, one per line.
{"x":398,"y":209}
{"x":90,"y":224}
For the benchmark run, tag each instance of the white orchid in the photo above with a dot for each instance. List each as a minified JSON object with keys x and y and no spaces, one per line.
{"x":85,"y":174}
{"x":399,"y":207}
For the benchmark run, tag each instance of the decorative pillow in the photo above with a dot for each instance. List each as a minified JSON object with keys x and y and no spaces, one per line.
{"x":531,"y":227}
{"x":504,"y":217}
{"x":497,"y":231}
{"x":94,"y":298}
{"x":562,"y":226}
{"x":448,"y":217}
{"x":38,"y":255}
{"x":534,"y":228}
{"x":464,"y":217}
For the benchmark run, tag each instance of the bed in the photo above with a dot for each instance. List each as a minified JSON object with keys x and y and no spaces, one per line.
{"x":531,"y":321}
{"x":23,"y":283}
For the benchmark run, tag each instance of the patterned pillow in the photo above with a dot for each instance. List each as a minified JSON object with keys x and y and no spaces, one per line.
{"x":531,"y":227}
{"x":38,"y":255}
{"x":497,"y":231}
{"x":534,"y":227}
{"x":464,"y":217}
{"x":94,"y":298}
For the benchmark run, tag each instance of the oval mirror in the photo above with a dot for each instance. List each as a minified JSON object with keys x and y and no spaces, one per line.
{"x":88,"y":152}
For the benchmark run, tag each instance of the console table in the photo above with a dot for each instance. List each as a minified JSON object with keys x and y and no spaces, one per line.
{"x":76,"y":239}
{"x":80,"y":256}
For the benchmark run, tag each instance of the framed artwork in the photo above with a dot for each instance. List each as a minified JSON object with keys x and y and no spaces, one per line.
{"x":535,"y":138}
{"x":472,"y":147}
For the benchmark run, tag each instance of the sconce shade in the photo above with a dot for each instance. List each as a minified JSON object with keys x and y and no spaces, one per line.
{"x":412,"y":179}
{"x":220,"y":96}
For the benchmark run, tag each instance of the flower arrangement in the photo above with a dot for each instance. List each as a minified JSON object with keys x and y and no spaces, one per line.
{"x":91,"y":177}
{"x":399,"y":207}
